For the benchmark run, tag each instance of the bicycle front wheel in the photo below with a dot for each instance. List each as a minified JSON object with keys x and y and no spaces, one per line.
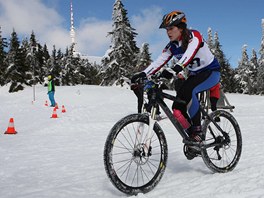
{"x":129,"y":168}
{"x":224,"y":156}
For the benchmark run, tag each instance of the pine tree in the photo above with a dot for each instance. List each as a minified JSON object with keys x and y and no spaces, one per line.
{"x":89,"y":73}
{"x":143,"y":59}
{"x":243,"y":72}
{"x":44,"y":57}
{"x":260,"y":76}
{"x":41,"y":63}
{"x":28,"y":61}
{"x":17,"y":69}
{"x":120,"y":59}
{"x":3,"y":63}
{"x":84,"y":75}
{"x":54,"y":65}
{"x":70,"y":70}
{"x":31,"y":48}
{"x":37,"y":61}
{"x":210,"y":40}
{"x":227,"y":73}
{"x":253,"y":87}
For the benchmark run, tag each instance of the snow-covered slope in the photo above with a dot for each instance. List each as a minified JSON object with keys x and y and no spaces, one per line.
{"x":63,"y":157}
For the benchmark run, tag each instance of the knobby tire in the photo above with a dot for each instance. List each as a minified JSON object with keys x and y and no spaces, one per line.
{"x":224,"y":158}
{"x":130,"y":170}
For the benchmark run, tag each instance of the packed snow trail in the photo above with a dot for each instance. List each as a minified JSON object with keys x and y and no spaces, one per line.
{"x":63,"y":157}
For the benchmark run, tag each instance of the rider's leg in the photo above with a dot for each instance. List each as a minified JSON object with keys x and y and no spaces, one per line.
{"x":214,"y":96}
{"x":194,"y":110}
{"x":140,"y":96}
{"x":188,"y":93}
{"x":184,"y":95}
{"x":213,"y":102}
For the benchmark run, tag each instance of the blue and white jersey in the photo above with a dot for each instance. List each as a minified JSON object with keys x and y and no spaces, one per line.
{"x":196,"y":58}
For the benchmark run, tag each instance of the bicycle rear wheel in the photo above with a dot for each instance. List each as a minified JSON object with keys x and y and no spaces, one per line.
{"x":129,"y":168}
{"x":225,"y":156}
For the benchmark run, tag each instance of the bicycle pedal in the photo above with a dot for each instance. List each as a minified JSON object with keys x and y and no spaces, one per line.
{"x":191,"y":152}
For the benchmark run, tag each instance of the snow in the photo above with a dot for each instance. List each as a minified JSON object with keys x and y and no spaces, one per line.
{"x":63,"y":157}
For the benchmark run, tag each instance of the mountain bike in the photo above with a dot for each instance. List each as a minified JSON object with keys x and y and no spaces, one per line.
{"x":136,"y":150}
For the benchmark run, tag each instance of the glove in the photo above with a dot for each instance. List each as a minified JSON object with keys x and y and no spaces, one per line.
{"x":166,"y":74}
{"x":177,"y":68}
{"x":137,"y":79}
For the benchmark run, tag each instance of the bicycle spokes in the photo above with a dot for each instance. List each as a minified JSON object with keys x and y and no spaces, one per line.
{"x":135,"y":157}
{"x":222,"y":148}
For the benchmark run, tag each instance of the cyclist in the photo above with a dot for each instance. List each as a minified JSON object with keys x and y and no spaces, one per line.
{"x":192,"y":53}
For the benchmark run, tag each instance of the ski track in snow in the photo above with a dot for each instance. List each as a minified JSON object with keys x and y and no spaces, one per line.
{"x":63,"y":157}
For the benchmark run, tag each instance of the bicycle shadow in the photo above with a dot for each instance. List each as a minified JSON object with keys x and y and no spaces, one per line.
{"x":178,"y":163}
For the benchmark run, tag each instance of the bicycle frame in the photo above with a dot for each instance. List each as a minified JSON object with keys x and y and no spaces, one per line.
{"x":136,"y":149}
{"x":169,"y":114}
{"x":157,"y":98}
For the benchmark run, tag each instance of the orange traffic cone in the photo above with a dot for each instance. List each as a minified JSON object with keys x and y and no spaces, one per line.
{"x":54,"y":114}
{"x":56,"y":106}
{"x":11,"y":127}
{"x":63,"y":110}
{"x":46,"y":103}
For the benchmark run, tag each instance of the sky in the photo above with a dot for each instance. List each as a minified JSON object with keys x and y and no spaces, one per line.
{"x":63,"y":157}
{"x":237,"y":22}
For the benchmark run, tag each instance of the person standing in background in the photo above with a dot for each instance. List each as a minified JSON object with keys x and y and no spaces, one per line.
{"x":51,"y":91}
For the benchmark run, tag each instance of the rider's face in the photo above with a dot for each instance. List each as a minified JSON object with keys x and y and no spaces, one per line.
{"x":173,"y":33}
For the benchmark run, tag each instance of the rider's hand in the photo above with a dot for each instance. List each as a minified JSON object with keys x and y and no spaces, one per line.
{"x":137,"y":78}
{"x":177,"y":68}
{"x":166,"y":74}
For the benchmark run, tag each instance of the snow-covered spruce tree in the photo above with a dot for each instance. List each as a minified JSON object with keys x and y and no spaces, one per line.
{"x":252,"y":86}
{"x":89,"y":73}
{"x":260,"y":76}
{"x":3,"y":63}
{"x":70,"y":67}
{"x":243,"y":72}
{"x":37,"y":63}
{"x":29,"y":61}
{"x":43,"y":58}
{"x":120,"y":60}
{"x":33,"y":60}
{"x":210,"y":40}
{"x":17,"y":69}
{"x":143,"y":58}
{"x":41,"y":55}
{"x":227,"y":73}
{"x":55,"y":66}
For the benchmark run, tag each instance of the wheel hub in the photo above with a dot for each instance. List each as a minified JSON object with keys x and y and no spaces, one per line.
{"x":140,"y":156}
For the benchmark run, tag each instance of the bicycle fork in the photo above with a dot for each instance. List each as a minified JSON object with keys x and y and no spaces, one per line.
{"x":152,"y":120}
{"x":146,"y":142}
